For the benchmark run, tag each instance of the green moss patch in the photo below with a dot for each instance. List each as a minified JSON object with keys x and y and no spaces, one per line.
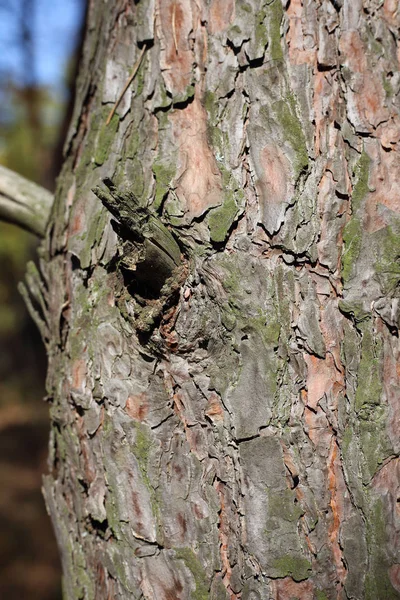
{"x":352,"y":239}
{"x":387,"y":265}
{"x":105,"y":139}
{"x":369,"y":376}
{"x":275,"y":14}
{"x":292,"y":566}
{"x":377,"y":582}
{"x":164,"y":175}
{"x":285,"y":111}
{"x":360,"y":189}
{"x":221,"y":219}
{"x":196,"y":568}
{"x":352,"y":232}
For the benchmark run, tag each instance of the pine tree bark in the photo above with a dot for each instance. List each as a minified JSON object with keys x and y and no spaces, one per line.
{"x":223,"y":332}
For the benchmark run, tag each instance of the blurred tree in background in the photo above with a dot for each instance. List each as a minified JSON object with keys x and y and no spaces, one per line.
{"x":39,"y":46}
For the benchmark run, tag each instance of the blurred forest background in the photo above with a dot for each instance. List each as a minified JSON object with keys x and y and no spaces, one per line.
{"x":39,"y":49}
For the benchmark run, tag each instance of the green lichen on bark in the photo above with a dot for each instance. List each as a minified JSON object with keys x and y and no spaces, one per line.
{"x":84,"y":586}
{"x":164,"y":174}
{"x":106,"y":137}
{"x":361,"y":188}
{"x":365,"y":437}
{"x":221,"y":219}
{"x":286,"y":114}
{"x":352,"y":240}
{"x":377,"y":582}
{"x":91,"y":236}
{"x":387,"y":86}
{"x":354,"y":310}
{"x":274,"y":13}
{"x":369,"y":375}
{"x":186,"y":95}
{"x":293,"y":566}
{"x":284,"y":504}
{"x":387,"y":265}
{"x":140,"y":78}
{"x":228,"y":319}
{"x":352,"y":232}
{"x":142,"y":449}
{"x":195,"y":567}
{"x":116,"y":551}
{"x":374,"y":443}
{"x":260,"y":30}
{"x":142,"y":446}
{"x":210,"y":103}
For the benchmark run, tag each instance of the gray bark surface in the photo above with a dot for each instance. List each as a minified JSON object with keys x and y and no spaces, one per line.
{"x":24,"y":203}
{"x":225,"y":418}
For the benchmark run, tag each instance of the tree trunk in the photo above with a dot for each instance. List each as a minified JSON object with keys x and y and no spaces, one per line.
{"x":223,"y":333}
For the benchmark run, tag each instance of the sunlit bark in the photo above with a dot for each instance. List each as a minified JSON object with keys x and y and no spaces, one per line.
{"x":228,"y":426}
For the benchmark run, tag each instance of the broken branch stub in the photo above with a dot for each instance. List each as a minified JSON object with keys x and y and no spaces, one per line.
{"x":158,"y":253}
